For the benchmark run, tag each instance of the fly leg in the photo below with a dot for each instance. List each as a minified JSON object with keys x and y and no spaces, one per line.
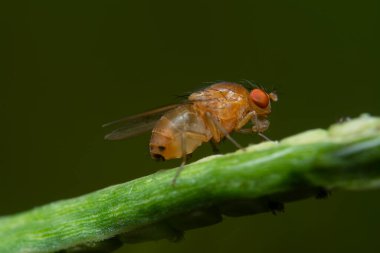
{"x":219,"y":127}
{"x":245,"y":120}
{"x":264,"y":136}
{"x":250,"y":130}
{"x":185,"y":156}
{"x":259,"y":125}
{"x":214,"y":147}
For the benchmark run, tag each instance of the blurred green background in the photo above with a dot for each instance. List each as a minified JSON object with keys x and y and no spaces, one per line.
{"x":69,"y":66}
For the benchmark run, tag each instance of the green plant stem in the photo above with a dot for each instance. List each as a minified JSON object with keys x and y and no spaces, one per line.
{"x":257,"y":179}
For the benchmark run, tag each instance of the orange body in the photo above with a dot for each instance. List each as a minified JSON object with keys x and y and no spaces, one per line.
{"x":210,"y":115}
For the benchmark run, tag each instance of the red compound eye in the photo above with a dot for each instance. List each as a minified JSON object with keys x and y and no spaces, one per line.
{"x":260,"y":98}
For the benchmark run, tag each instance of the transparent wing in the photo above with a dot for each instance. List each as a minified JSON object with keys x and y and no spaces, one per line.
{"x":136,"y":124}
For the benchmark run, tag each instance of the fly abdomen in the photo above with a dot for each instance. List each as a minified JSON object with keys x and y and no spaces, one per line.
{"x":179,"y":132}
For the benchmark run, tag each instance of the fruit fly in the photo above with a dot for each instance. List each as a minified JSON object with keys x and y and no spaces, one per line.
{"x":207,"y":115}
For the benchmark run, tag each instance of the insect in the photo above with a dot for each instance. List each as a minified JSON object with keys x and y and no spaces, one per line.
{"x":207,"y":115}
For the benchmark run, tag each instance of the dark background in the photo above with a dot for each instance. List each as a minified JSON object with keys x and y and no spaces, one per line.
{"x":66,"y":67}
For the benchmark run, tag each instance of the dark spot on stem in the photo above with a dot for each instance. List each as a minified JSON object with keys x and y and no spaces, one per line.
{"x":322,"y":193}
{"x":276,"y":207}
